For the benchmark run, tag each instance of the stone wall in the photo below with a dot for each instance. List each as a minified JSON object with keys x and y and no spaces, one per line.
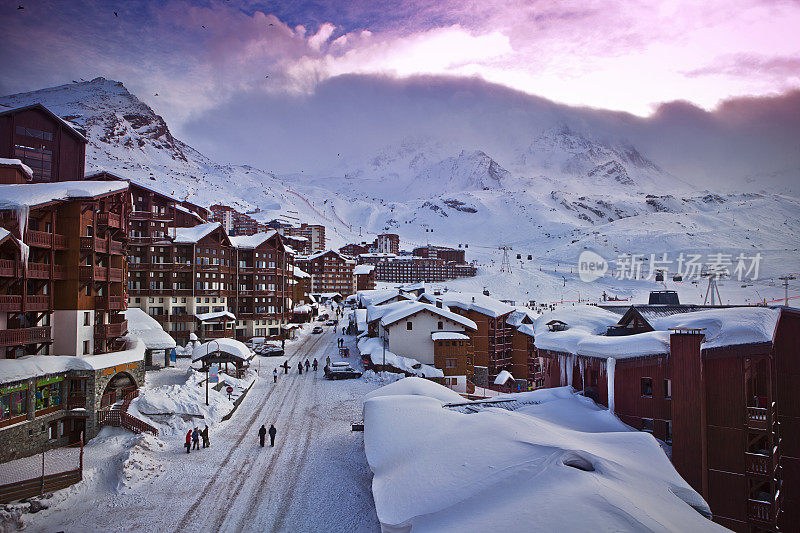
{"x":481,"y":376}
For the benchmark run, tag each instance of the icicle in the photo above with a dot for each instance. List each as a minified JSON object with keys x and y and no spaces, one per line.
{"x":610,"y":366}
{"x":23,"y":212}
{"x":570,"y":368}
{"x":562,"y":367}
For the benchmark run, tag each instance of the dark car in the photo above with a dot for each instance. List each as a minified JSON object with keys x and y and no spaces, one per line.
{"x":341,"y":370}
{"x":317,"y":329}
{"x":269,"y":350}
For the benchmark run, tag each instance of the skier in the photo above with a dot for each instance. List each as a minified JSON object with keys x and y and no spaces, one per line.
{"x":262,"y":434}
{"x":300,"y":367}
{"x":342,"y":331}
{"x":275,"y":375}
{"x":188,"y":441}
{"x":308,"y":365}
{"x":314,"y":364}
{"x":272,"y":432}
{"x":196,"y":439}
{"x":204,"y":434}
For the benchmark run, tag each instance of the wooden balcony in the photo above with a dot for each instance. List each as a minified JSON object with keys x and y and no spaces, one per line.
{"x":140,"y":215}
{"x":109,"y":219}
{"x":116,"y":248}
{"x":8,"y":268}
{"x":218,"y":334}
{"x":759,"y":418}
{"x":108,"y":302}
{"x":185,"y":317}
{"x":761,"y":464}
{"x":763,"y":511}
{"x":37,"y":303}
{"x":10,"y":302}
{"x":138,"y":266}
{"x":41,"y":239}
{"x":114,"y":274}
{"x":22,"y":336}
{"x":108,"y":331}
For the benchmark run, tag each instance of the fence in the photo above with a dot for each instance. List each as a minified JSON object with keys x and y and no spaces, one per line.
{"x":44,"y":472}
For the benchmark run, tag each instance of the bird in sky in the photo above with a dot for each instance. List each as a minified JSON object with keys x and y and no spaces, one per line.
{"x":20,"y":7}
{"x":115,"y":14}
{"x":267,"y":76}
{"x":202,"y":27}
{"x":155,"y":94}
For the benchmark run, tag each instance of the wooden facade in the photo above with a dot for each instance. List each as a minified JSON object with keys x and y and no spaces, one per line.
{"x":330,"y":272}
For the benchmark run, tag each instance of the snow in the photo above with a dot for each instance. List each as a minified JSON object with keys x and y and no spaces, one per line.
{"x":194,"y":234}
{"x":148,"y":330}
{"x":503,"y":377}
{"x":376,"y":296}
{"x":518,"y":315}
{"x":4,"y":161}
{"x":373,"y":347}
{"x":448,"y":336}
{"x":32,"y":194}
{"x":436,"y":469}
{"x":611,"y":366}
{"x":205,"y":317}
{"x":32,"y":366}
{"x":620,"y":347}
{"x":299,"y":273}
{"x":411,"y":308}
{"x":725,"y":327}
{"x":231,"y":347}
{"x":472,"y":302}
{"x":582,"y":321}
{"x":361,"y":319}
{"x":359,"y":270}
{"x":252,"y":241}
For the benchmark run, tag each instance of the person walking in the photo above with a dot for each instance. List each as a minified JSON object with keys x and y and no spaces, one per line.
{"x":314,"y":365}
{"x":188,"y":441}
{"x":327,"y":360}
{"x":300,"y":367}
{"x":275,"y":375}
{"x":286,"y":367}
{"x":262,"y":434}
{"x":204,"y":434}
{"x":308,"y":365}
{"x":196,"y":439}
{"x":272,"y":432}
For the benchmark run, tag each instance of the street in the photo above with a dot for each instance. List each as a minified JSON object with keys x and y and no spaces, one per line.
{"x":314,"y":479}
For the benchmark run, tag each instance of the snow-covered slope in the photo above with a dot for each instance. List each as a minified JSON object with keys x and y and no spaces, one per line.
{"x":550,"y":197}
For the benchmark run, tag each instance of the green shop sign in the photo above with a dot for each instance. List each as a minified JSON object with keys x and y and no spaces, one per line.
{"x":48,"y":381}
{"x":13,"y":388}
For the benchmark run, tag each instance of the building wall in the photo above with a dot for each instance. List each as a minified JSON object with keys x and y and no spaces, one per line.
{"x":417,"y":343}
{"x":69,"y":332}
{"x":787,"y":341}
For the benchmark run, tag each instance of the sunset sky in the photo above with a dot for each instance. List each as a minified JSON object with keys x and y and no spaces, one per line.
{"x":204,"y":58}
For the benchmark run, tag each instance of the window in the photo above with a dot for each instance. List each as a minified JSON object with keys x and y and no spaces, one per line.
{"x":450,"y":363}
{"x":647,"y":387}
{"x":13,"y":401}
{"x":48,"y":392}
{"x":439,"y":325}
{"x":668,"y":388}
{"x":409,"y":326}
{"x":86,"y":348}
{"x":647,"y":425}
{"x":86,"y":318}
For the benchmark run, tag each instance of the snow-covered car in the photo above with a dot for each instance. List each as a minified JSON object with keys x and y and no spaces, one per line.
{"x":255,"y":342}
{"x":341,"y":370}
{"x":317,"y":329}
{"x":330,"y":323}
{"x":269,"y":350}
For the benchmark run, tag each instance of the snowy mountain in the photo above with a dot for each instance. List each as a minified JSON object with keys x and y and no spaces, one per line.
{"x":549,"y":197}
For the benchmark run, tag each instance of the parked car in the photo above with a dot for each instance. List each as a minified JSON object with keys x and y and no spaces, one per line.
{"x":341,"y":370}
{"x":255,"y":342}
{"x":317,"y":329}
{"x":323,"y":317}
{"x":270,"y":350}
{"x":330,"y":323}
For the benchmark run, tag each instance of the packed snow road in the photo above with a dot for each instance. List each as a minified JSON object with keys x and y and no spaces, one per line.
{"x":314,"y":479}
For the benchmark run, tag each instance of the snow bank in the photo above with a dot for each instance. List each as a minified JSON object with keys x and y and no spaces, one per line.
{"x":560,"y":465}
{"x":582,"y":321}
{"x":373,"y":345}
{"x":229,"y":346}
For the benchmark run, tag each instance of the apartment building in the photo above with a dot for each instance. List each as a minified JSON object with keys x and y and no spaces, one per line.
{"x":387,"y":243}
{"x":365,"y":277}
{"x":314,"y":233}
{"x":719,"y":385}
{"x":234,"y":222}
{"x":450,"y":255}
{"x":330,"y":272}
{"x":412,"y":269}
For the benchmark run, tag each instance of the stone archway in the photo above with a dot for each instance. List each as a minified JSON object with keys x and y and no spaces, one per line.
{"x":120,"y":384}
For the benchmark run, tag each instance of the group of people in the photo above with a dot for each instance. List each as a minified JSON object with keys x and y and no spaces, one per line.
{"x":307,"y":365}
{"x":193,"y":437}
{"x":262,"y":433}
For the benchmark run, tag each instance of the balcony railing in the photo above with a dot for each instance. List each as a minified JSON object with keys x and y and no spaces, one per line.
{"x":115,"y":248}
{"x":43,"y":239}
{"x":760,"y":464}
{"x":108,"y":302}
{"x":109,"y":219}
{"x":763,"y":511}
{"x":22,"y":336}
{"x":37,"y":302}
{"x":107,"y":331}
{"x":10,"y":302}
{"x":8,"y":268}
{"x":218,"y":333}
{"x":114,"y":274}
{"x":76,"y":400}
{"x":759,"y":418}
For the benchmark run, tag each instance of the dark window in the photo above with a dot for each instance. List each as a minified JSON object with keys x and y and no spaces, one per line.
{"x":647,"y":425}
{"x":85,"y":347}
{"x":667,"y":388}
{"x":409,"y":326}
{"x":647,"y":387}
{"x":34,"y":133}
{"x":440,"y":325}
{"x":38,"y":158}
{"x":668,"y":437}
{"x":86,"y":318}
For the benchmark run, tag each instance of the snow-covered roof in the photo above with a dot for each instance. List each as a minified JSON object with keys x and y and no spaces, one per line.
{"x":70,"y":125}
{"x":195,"y":233}
{"x":359,"y":270}
{"x":377,"y":296}
{"x":471,"y":301}
{"x":448,"y":336}
{"x":305,"y":308}
{"x":252,"y":241}
{"x":373,"y":345}
{"x":517,"y":316}
{"x":32,"y":194}
{"x":32,"y":366}
{"x":361,"y":319}
{"x":377,"y":254}
{"x":5,"y":162}
{"x":416,"y":307}
{"x":232,"y":347}
{"x":503,"y":377}
{"x":148,"y":330}
{"x":205,"y":317}
{"x":558,"y":462}
{"x":587,"y":326}
{"x":300,"y":274}
{"x":320,"y":254}
{"x":527,"y":329}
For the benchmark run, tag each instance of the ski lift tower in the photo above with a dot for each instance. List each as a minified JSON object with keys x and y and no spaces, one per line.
{"x":786,"y":279}
{"x":505,"y":266}
{"x":712,"y":289}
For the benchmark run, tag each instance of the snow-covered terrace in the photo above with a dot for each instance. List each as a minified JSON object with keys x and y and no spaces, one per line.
{"x":470,"y":301}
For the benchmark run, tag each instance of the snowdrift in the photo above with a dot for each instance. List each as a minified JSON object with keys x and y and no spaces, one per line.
{"x":561,"y":464}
